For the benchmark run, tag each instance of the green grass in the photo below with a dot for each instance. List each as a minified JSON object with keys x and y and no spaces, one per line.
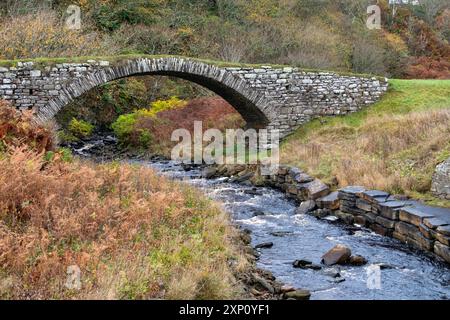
{"x":398,"y":145}
{"x":403,"y":96}
{"x":116,"y":60}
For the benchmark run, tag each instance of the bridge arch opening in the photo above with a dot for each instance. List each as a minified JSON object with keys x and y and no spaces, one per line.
{"x":249,"y":103}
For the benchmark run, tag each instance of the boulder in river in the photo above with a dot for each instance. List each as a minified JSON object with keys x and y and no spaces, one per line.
{"x":306,"y":207}
{"x":339,"y":254}
{"x":301,"y":263}
{"x":305,"y":264}
{"x":264,"y":245}
{"x":357,"y":260}
{"x":209,"y":172}
{"x":298,"y":295}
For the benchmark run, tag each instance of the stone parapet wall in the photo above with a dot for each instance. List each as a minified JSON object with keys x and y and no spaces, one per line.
{"x":280,"y":98}
{"x":299,"y":96}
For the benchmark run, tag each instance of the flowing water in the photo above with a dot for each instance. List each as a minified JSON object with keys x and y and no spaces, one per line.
{"x":270,"y":216}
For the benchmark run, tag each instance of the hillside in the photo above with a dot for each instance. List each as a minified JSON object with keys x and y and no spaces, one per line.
{"x":413,"y":41}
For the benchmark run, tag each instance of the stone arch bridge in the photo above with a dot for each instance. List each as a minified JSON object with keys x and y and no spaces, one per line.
{"x":277,"y":97}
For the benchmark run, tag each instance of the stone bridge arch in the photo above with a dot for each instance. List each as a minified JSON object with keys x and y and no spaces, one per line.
{"x":276,"y":97}
{"x":251,"y":104}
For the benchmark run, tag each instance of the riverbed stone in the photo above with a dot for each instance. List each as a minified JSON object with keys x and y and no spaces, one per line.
{"x":442,"y":250}
{"x":306,"y":207}
{"x":264,"y":245}
{"x":298,"y":295}
{"x":357,"y":260}
{"x":339,"y":254}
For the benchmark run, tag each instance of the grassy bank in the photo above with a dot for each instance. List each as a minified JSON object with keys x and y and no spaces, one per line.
{"x":131,"y":233}
{"x":393,"y":145}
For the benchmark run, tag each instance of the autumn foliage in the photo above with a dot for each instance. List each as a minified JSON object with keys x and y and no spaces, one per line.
{"x":131,"y":233}
{"x":214,"y":112}
{"x":17,"y":130}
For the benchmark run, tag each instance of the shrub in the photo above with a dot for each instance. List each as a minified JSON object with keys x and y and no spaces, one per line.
{"x":164,"y":105}
{"x":16,"y":130}
{"x":132,"y":233}
{"x":126,"y":126}
{"x":80,"y":128}
{"x":42,"y":34}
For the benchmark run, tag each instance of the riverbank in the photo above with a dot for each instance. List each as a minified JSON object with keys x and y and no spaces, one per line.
{"x":420,"y":226}
{"x":290,"y":244}
{"x":394,"y":145}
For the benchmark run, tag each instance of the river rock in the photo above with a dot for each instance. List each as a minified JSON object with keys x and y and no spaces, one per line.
{"x":281,"y":233}
{"x":257,"y":213}
{"x":334,"y":272}
{"x":339,"y":254}
{"x":338,"y":280}
{"x":287,"y":288}
{"x":209,"y":172}
{"x":264,"y":245}
{"x":301,"y":263}
{"x":305,"y":264}
{"x":357,"y":260}
{"x":440,"y":186}
{"x":306,"y":207}
{"x":298,"y":295}
{"x":263,"y":283}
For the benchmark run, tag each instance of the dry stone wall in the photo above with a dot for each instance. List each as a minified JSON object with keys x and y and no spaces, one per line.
{"x":420,"y":226}
{"x":266,"y":96}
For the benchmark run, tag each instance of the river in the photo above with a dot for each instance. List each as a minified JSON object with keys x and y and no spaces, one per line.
{"x":402,"y":274}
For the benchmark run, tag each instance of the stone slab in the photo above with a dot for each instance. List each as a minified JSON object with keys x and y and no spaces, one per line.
{"x":330,"y":201}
